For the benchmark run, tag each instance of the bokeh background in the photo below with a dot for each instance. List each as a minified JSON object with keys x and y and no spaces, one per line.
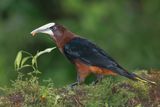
{"x":129,"y":30}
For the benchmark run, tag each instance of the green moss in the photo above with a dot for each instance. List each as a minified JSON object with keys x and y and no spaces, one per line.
{"x":27,"y":92}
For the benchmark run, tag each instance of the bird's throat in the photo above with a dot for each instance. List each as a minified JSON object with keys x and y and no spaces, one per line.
{"x":63,"y":39}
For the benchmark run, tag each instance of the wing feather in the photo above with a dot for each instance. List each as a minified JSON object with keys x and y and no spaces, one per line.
{"x":89,"y":53}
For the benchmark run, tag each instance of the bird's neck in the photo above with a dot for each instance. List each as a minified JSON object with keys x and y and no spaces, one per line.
{"x":65,"y":38}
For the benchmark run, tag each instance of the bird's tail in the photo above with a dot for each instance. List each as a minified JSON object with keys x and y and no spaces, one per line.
{"x":133,"y":76}
{"x":138,"y":78}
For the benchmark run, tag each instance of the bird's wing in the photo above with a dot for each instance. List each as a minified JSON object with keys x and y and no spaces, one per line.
{"x":88,"y":53}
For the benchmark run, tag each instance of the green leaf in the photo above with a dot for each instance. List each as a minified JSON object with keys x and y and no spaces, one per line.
{"x":24,"y":66}
{"x":48,"y":50}
{"x":25,"y":59}
{"x":33,"y":61}
{"x":18,"y":60}
{"x":37,"y":72}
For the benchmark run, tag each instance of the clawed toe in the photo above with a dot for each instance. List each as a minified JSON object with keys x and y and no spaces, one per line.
{"x":73,"y":84}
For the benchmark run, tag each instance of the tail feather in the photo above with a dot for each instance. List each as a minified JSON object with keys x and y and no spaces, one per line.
{"x":144,"y":80}
{"x":132,"y":76}
{"x":138,"y":78}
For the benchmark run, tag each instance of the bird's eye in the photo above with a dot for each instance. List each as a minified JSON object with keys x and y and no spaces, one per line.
{"x":53,"y":28}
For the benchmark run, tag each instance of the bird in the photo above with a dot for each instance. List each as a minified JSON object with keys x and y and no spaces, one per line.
{"x":85,"y":55}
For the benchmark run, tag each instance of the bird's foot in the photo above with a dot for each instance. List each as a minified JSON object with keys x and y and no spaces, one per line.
{"x":95,"y":82}
{"x":73,"y":84}
{"x":99,"y":79}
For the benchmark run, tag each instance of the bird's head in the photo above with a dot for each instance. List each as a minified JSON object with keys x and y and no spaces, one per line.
{"x":56,"y":31}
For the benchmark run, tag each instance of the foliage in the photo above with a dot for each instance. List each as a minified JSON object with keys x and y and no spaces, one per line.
{"x":20,"y":61}
{"x":26,"y":90}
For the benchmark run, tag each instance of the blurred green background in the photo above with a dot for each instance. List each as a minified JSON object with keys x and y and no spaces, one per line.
{"x":129,"y":30}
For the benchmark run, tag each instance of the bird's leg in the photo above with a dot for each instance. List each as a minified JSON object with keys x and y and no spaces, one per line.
{"x":81,"y":75}
{"x":77,"y":82}
{"x":73,"y":84}
{"x":99,"y":78}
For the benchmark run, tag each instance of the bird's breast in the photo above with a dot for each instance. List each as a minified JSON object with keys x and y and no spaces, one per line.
{"x":94,"y":69}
